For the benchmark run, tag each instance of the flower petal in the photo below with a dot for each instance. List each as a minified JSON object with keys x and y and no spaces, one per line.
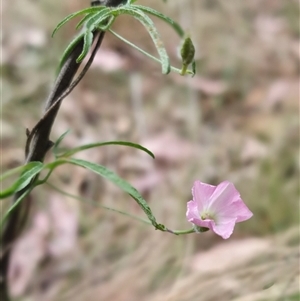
{"x":224,"y":195}
{"x":243,"y":212}
{"x":217,"y":208}
{"x":202,"y":193}
{"x":224,"y":229}
{"x":192,"y":212}
{"x":236,"y":211}
{"x":193,"y":216}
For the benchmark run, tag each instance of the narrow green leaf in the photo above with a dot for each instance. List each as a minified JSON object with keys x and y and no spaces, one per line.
{"x":96,"y":204}
{"x":69,"y":49}
{"x":108,"y":23}
{"x":12,"y":207}
{"x":161,"y":16}
{"x":54,"y":164}
{"x":88,"y":41}
{"x":149,"y":25}
{"x":92,"y":23}
{"x":73,"y":15}
{"x":18,"y":170}
{"x":146,"y":53}
{"x":84,"y":19}
{"x":110,"y":175}
{"x":93,"y":145}
{"x":30,"y":171}
{"x":58,"y":141}
{"x":98,"y":18}
{"x":94,"y":19}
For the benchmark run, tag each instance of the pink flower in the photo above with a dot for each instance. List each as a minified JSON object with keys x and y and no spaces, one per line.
{"x":217,"y":208}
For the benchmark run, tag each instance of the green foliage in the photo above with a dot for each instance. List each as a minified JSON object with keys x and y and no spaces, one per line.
{"x":101,"y":18}
{"x":13,"y":206}
{"x":92,"y":145}
{"x":31,"y":170}
{"x":111,"y":176}
{"x":95,"y":19}
{"x":28,"y":173}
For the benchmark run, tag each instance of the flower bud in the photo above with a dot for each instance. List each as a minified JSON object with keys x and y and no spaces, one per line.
{"x":187,"y":51}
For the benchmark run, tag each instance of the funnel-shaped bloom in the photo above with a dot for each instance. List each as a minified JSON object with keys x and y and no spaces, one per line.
{"x":217,"y":208}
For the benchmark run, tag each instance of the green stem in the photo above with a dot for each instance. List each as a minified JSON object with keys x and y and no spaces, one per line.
{"x":176,"y":232}
{"x":184,"y":69}
{"x":98,"y":205}
{"x":182,"y":232}
{"x":146,"y":53}
{"x":43,"y":181}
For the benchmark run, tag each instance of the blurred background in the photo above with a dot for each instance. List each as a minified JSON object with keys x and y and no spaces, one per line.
{"x":236,"y":120}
